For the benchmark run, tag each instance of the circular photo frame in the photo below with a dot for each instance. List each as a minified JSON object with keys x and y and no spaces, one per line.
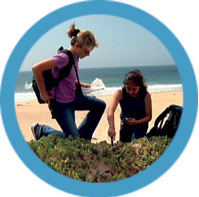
{"x":189,"y":103}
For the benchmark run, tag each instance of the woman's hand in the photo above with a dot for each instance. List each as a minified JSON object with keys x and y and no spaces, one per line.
{"x":85,"y":85}
{"x":131,"y":121}
{"x":111,"y":133}
{"x":45,"y":97}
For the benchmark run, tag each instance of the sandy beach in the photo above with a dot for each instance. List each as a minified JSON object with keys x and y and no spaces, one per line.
{"x":29,"y":112}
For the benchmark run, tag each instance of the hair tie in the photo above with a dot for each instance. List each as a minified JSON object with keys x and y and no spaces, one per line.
{"x":76,"y":32}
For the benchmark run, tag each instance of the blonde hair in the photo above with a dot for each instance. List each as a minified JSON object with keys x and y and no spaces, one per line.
{"x":85,"y":38}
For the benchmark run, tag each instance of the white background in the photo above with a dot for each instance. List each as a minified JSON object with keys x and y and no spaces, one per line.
{"x":181,"y":17}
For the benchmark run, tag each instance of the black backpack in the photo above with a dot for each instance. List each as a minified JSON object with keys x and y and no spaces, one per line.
{"x":49,"y":81}
{"x":167,"y":122}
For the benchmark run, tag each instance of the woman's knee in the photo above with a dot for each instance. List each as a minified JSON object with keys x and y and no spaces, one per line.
{"x":97,"y":105}
{"x":103,"y":105}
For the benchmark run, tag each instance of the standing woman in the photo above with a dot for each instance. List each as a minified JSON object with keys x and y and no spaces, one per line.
{"x":136,"y":110}
{"x":67,"y":99}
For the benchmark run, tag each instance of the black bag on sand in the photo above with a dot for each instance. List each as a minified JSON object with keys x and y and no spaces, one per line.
{"x":49,"y":81}
{"x":167,"y":122}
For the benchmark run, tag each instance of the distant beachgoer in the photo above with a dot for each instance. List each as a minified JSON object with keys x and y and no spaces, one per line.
{"x":136,"y":109}
{"x":68,"y":100}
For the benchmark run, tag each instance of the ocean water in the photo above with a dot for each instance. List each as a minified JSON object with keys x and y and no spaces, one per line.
{"x":158,"y":79}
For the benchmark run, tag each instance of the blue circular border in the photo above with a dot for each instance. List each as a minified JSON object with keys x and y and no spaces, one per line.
{"x":189,"y":102}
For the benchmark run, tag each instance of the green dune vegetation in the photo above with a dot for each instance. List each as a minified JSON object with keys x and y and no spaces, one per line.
{"x":82,"y":160}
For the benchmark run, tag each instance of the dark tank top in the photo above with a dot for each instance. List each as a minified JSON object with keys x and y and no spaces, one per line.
{"x":132,"y":107}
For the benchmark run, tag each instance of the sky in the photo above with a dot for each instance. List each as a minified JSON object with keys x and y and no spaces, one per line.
{"x":121,"y":43}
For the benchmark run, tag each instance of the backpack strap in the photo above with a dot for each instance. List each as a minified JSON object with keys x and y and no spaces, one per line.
{"x":161,"y":117}
{"x":66,"y":70}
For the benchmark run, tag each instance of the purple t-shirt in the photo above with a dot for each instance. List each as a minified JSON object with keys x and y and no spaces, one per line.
{"x":65,"y":91}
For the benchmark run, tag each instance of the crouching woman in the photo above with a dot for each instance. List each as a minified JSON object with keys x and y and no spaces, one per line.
{"x":136,"y":108}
